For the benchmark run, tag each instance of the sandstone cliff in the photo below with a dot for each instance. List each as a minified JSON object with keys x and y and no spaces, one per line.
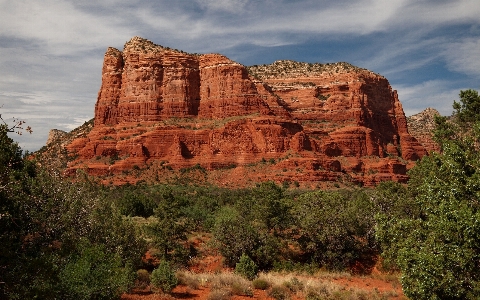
{"x":161,"y":110}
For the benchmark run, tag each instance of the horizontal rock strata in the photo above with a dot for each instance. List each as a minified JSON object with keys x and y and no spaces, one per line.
{"x":328,"y":121}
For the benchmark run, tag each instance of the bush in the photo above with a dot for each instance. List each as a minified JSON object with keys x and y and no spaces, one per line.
{"x":246,"y":267}
{"x":222,"y":294}
{"x":143,"y":278}
{"x":294,"y":285}
{"x":261,"y":284}
{"x":279,"y":292}
{"x":164,"y":277}
{"x":93,"y":273}
{"x":234,"y":235}
{"x":436,"y":249}
{"x":336,"y":228}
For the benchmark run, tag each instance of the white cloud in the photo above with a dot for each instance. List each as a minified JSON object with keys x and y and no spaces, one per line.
{"x":57,"y":25}
{"x":464,"y":56}
{"x":51,"y":50}
{"x":232,"y":6}
{"x":438,"y":94}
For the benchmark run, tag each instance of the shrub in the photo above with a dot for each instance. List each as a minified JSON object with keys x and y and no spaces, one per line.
{"x":234,"y":235}
{"x":279,"y":292}
{"x":93,"y":273}
{"x":241,"y":289}
{"x":436,"y":249}
{"x":246,"y":267}
{"x":233,"y":283}
{"x":294,"y":285}
{"x":261,"y":284}
{"x":189,"y":279}
{"x":164,"y":277}
{"x":222,"y":294}
{"x":143,"y":278}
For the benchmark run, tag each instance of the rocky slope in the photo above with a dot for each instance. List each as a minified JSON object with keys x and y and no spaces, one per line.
{"x":54,"y":156}
{"x":421,"y":127}
{"x":162,"y":111}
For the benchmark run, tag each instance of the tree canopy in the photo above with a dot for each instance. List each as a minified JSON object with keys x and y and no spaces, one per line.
{"x":436,"y":244}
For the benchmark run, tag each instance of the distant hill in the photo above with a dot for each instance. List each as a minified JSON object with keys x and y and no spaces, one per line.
{"x":421,"y":127}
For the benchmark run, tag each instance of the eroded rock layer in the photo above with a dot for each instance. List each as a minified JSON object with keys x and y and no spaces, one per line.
{"x":327,"y":122}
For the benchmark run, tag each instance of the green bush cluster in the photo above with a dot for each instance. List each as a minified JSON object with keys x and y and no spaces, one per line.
{"x":164,"y":278}
{"x":246,"y":267}
{"x":430,"y":230}
{"x":64,"y":240}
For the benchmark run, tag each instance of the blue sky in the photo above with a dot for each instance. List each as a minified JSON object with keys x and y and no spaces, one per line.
{"x":51,"y":51}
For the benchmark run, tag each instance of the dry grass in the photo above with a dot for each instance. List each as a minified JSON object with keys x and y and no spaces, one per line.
{"x":235,"y":283}
{"x":193,"y":281}
{"x":321,"y":285}
{"x":222,"y":294}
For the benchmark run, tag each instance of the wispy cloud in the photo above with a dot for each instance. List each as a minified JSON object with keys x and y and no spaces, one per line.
{"x":438,"y":94}
{"x":464,"y":56}
{"x":51,"y":51}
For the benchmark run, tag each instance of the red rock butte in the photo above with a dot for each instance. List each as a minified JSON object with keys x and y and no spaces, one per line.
{"x":313,"y":122}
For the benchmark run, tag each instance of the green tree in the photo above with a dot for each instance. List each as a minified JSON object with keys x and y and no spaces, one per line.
{"x":394,"y":204}
{"x":42,"y":220}
{"x":437,"y":249}
{"x":334,"y":228}
{"x":169,"y":231}
{"x":246,"y":267}
{"x":92,"y":272}
{"x":234,"y":235}
{"x":163,"y":277}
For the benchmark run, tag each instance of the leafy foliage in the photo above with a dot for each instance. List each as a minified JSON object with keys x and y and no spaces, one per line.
{"x":163,"y":277}
{"x":42,"y":220}
{"x":436,"y":247}
{"x":170,"y":228}
{"x":246,"y":267}
{"x":234,"y":235}
{"x":93,"y":273}
{"x":335,"y":228}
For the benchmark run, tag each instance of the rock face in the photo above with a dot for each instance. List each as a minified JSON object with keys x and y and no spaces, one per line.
{"x":160,"y":109}
{"x":421,"y":127}
{"x":55,"y":135}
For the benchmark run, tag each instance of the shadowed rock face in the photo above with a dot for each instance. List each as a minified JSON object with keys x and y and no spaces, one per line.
{"x":326,"y":121}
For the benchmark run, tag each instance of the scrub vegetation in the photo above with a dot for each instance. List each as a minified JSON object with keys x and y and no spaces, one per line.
{"x":64,"y":239}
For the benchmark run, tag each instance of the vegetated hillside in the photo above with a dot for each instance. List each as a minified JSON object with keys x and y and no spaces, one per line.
{"x":53,"y":156}
{"x":421,"y":127}
{"x":162,"y":113}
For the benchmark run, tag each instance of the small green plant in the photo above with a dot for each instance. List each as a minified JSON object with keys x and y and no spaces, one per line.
{"x":164,"y":277}
{"x":246,"y":267}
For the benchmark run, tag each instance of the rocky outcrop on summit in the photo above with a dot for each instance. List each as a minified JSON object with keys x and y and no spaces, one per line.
{"x":147,"y":82}
{"x":328,"y":122}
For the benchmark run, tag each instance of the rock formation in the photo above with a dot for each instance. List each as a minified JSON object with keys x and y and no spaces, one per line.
{"x":160,"y":109}
{"x":421,"y":127}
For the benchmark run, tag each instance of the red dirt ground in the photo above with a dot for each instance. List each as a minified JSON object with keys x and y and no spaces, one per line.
{"x":377,"y":282}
